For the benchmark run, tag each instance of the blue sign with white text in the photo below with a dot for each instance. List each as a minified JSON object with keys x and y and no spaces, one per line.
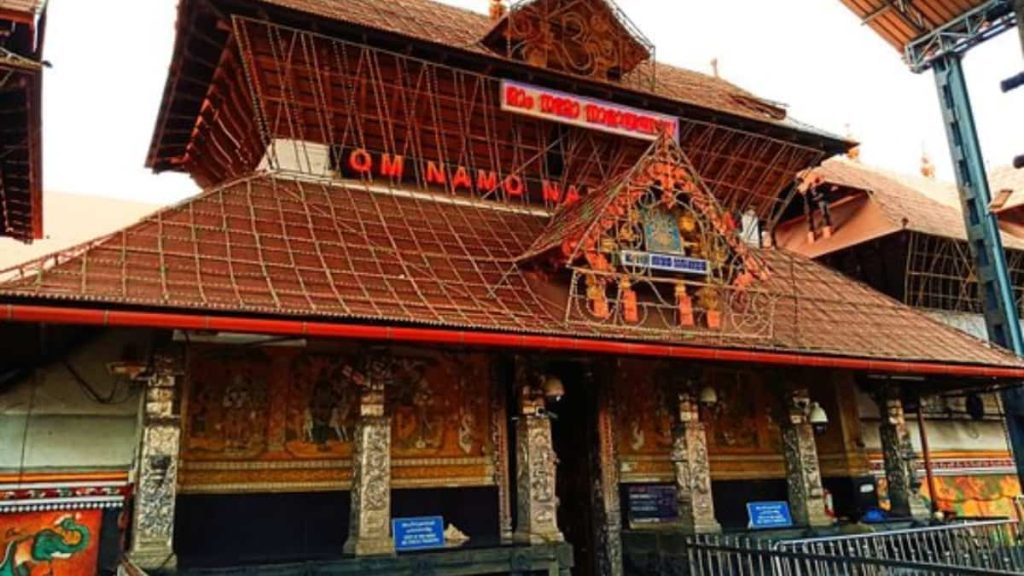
{"x":769,"y":515}
{"x":425,"y":533}
{"x":666,"y":262}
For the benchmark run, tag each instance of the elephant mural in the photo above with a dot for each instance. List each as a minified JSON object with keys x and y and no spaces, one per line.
{"x":64,"y":546}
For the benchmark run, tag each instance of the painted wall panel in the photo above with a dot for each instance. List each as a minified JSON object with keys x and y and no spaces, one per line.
{"x":50,"y":543}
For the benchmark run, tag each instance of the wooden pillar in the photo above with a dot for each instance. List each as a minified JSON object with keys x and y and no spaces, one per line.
{"x":692,"y":469}
{"x":898,"y":454}
{"x":369,"y":525}
{"x":536,"y":500}
{"x":803,"y":474}
{"x":156,"y":468}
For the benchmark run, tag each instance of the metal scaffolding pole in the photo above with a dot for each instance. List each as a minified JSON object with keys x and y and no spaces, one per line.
{"x":1018,"y":7}
{"x":1001,"y":314}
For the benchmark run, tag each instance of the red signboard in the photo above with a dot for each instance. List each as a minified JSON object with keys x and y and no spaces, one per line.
{"x":585,"y":112}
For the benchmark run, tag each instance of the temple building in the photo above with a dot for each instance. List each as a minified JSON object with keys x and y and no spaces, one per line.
{"x":22,"y":27}
{"x":904,"y":236}
{"x":463,"y":293}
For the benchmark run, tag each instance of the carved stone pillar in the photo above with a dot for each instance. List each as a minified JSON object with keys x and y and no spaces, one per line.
{"x":156,"y":469}
{"x":609,"y":514}
{"x":803,"y":475}
{"x":692,"y":469}
{"x":536,"y":502}
{"x":369,"y":531}
{"x":898,"y":453}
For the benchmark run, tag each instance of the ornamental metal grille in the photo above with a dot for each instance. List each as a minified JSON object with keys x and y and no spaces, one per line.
{"x":653,"y":251}
{"x":311,"y":88}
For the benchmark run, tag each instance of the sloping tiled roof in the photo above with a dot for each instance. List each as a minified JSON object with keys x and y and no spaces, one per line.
{"x":274,"y":247}
{"x":905,"y":205}
{"x":430,"y":21}
{"x":65,"y":226}
{"x":1007,"y":178}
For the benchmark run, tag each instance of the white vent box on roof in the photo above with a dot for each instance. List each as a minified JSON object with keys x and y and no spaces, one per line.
{"x":297,"y":156}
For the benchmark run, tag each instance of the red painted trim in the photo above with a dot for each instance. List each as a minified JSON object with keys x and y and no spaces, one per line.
{"x":281,"y":327}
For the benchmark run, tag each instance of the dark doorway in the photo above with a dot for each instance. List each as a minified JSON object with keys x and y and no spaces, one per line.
{"x":575,"y":438}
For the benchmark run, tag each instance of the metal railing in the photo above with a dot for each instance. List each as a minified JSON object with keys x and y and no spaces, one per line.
{"x":989,"y":547}
{"x":993,"y":544}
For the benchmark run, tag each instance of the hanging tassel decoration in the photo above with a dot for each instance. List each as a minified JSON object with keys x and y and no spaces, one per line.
{"x":685,"y":305}
{"x":597,"y":301}
{"x":630,"y":309}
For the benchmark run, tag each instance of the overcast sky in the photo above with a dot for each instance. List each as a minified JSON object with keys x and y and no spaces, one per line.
{"x":110,"y":60}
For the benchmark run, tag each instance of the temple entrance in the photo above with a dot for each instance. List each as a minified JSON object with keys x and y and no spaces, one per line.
{"x":575,"y":439}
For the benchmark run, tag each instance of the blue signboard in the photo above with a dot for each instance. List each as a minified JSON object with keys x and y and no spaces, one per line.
{"x":769,"y":515}
{"x":667,"y":262}
{"x":418,"y":533}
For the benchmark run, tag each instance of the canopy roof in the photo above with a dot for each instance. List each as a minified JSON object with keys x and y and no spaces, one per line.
{"x":265,"y":246}
{"x":21,"y":209}
{"x":899,"y":22}
{"x":21,"y":10}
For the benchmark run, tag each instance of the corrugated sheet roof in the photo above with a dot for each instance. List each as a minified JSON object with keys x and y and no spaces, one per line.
{"x":898,"y":27}
{"x":268,"y":246}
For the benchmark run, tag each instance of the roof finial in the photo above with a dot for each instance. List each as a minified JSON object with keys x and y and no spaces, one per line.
{"x":927,"y":168}
{"x":852,"y":153}
{"x":497,"y":10}
{"x":714,"y":67}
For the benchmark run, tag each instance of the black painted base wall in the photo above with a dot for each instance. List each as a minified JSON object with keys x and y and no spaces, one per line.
{"x":231,"y":530}
{"x":731,"y":499}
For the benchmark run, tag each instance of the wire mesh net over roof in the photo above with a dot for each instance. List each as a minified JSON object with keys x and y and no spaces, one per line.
{"x":269,"y":246}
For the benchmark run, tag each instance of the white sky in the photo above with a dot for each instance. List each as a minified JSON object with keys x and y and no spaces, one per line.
{"x":110,"y":60}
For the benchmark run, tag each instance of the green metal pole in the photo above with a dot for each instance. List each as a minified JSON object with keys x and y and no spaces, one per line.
{"x":1000,"y":305}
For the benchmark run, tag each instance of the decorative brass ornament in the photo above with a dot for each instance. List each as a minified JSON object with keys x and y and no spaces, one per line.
{"x":591,"y":38}
{"x":649,"y":221}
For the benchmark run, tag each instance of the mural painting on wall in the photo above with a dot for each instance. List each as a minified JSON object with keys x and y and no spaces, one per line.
{"x":989,"y":495}
{"x":264,"y":409}
{"x":49,"y":543}
{"x":739,"y":423}
{"x":643,"y":411}
{"x":742,"y":421}
{"x":227,"y":411}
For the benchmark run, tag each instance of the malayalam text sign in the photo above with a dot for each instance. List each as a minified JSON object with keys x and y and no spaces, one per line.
{"x":769,"y":515}
{"x":426,"y":533}
{"x":585,"y":112}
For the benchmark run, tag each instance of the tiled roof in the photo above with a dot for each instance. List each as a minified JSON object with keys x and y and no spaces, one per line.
{"x":431,"y":21}
{"x":65,"y":226}
{"x":274,"y":247}
{"x":1007,"y":178}
{"x":906,"y":204}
